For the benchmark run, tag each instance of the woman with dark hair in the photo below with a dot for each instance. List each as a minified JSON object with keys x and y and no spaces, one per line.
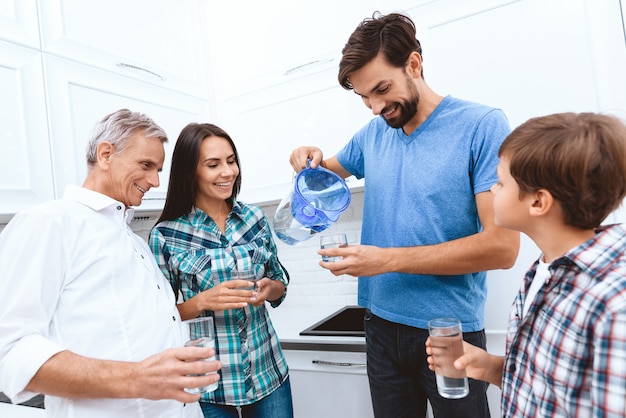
{"x":202,"y":239}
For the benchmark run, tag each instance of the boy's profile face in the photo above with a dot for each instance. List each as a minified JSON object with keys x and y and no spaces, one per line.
{"x":509,"y":210}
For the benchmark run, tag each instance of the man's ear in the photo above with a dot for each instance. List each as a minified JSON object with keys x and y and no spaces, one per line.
{"x":414,"y":65}
{"x":104,"y":151}
{"x":542,"y":203}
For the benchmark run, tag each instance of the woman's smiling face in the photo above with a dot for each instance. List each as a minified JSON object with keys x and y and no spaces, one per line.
{"x":217,"y":169}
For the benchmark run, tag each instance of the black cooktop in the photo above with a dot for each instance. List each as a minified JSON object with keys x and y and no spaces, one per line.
{"x":346,"y":322}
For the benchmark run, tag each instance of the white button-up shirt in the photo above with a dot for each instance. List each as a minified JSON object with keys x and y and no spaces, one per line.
{"x":74,"y":276}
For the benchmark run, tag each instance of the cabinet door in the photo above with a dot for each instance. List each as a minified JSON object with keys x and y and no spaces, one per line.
{"x":80,"y":95}
{"x":527,"y":57}
{"x":329,"y":384}
{"x":276,"y":84}
{"x":162,"y":42}
{"x":280,"y":41}
{"x":25,"y":168}
{"x":266,"y":135}
{"x":18,"y":22}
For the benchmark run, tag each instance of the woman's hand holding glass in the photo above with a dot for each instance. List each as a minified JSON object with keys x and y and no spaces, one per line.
{"x":230,"y":294}
{"x":268,"y":289}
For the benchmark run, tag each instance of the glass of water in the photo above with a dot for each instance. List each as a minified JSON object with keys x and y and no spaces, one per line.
{"x":446,"y":339}
{"x":201,"y":334}
{"x":249,"y":273}
{"x":333,"y":241}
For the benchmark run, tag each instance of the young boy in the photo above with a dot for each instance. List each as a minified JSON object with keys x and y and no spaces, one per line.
{"x":559,"y":177}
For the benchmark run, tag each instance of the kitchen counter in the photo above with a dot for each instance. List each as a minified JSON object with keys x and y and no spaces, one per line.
{"x":290,"y":320}
{"x":19,"y":411}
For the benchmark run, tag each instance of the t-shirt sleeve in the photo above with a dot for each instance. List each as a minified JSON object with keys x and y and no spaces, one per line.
{"x":489,"y":135}
{"x":351,"y":155}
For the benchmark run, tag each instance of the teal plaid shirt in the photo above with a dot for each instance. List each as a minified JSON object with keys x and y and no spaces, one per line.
{"x":194,"y":254}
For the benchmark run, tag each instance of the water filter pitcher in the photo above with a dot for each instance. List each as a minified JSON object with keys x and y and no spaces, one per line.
{"x":316,"y":200}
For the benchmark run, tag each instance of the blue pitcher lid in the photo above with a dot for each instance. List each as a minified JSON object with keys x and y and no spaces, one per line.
{"x":321,"y":190}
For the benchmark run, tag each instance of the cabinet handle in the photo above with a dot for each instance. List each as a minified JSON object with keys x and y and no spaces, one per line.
{"x":336,"y":363}
{"x":299,"y":67}
{"x":134,"y":67}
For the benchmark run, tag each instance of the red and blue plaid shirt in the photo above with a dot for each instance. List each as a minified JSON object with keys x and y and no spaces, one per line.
{"x":567,"y":357}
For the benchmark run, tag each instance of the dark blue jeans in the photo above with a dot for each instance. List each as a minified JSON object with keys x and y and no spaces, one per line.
{"x":278,"y":404}
{"x":400,"y":381}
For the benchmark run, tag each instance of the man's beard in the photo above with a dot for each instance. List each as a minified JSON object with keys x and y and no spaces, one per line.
{"x":407,"y":108}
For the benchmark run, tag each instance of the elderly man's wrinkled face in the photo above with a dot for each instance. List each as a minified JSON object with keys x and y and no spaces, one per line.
{"x":135,"y":170}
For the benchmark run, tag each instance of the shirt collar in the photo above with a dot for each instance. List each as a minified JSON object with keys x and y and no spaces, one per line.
{"x":197,"y":216}
{"x":599,"y":252}
{"x":98,"y":202}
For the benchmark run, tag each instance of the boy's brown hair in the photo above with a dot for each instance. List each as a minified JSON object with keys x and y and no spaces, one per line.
{"x":580,"y":158}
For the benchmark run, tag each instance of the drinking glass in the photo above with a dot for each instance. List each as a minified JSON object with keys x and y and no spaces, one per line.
{"x":333,"y":241}
{"x":446,"y":338}
{"x":201,"y":334}
{"x":248,"y":273}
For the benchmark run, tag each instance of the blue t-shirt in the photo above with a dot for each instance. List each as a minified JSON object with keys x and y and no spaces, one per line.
{"x":420,"y":190}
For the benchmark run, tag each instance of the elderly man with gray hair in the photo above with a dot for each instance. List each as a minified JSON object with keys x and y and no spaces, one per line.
{"x":86,"y":316}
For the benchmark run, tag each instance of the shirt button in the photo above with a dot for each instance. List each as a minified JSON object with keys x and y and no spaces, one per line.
{"x":173,"y":318}
{"x":158,"y":287}
{"x":119,"y":208}
{"x":512,"y":368}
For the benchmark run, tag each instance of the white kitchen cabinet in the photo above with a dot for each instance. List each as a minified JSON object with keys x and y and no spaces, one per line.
{"x":276,"y":78}
{"x":335,"y":384}
{"x":329,"y":384}
{"x":162,"y":42}
{"x":18,"y":22}
{"x":277,"y":41}
{"x":528,"y":57}
{"x":25,"y":166}
{"x":94,"y":58}
{"x":276,"y":84}
{"x":80,"y":95}
{"x":265,"y":136}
